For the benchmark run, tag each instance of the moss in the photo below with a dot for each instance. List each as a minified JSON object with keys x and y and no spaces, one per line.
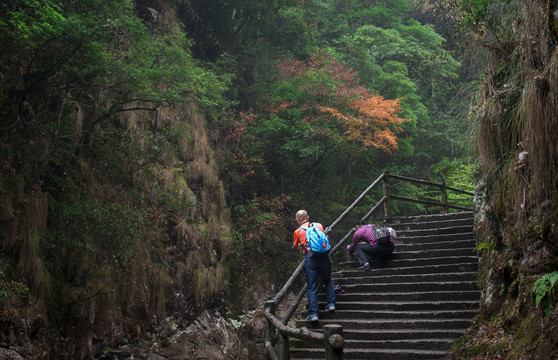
{"x":526,"y":338}
{"x":488,"y":341}
{"x":550,"y":219}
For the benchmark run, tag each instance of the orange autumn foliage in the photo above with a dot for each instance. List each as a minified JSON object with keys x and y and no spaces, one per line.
{"x":373,"y":122}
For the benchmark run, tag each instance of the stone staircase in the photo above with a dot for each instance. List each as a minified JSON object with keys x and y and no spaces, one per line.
{"x":412,"y":306}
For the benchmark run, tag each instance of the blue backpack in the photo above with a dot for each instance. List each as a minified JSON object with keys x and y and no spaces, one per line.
{"x":316,"y":241}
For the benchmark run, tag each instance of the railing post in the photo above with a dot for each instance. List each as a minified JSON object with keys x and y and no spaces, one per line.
{"x":270,"y":332}
{"x":284,"y":353}
{"x":385,"y":187}
{"x":444,"y":198}
{"x":333,"y":342}
{"x":335,"y":260}
{"x":269,"y":328}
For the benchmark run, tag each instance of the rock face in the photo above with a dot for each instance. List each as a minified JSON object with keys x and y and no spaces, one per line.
{"x":114,"y":229}
{"x":170,"y":271}
{"x":152,"y":302}
{"x":209,"y":336}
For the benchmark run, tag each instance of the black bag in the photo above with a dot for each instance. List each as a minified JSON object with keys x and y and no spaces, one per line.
{"x":382,"y":234}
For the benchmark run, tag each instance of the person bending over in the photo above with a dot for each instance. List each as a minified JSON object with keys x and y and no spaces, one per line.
{"x":364,"y":244}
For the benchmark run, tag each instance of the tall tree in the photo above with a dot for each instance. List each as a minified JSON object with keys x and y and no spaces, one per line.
{"x":314,"y":116}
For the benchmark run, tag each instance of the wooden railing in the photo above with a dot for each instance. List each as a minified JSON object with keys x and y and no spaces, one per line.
{"x":278,"y":332}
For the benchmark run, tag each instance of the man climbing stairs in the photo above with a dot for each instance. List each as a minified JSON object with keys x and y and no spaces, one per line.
{"x":412,"y":306}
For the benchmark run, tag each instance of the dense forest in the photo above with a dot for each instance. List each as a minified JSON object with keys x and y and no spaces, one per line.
{"x":153,"y":154}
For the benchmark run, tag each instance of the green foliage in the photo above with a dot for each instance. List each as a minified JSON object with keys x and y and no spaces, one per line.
{"x":492,"y":16}
{"x":487,"y":244}
{"x":458,"y":176}
{"x":307,"y":118}
{"x":30,"y":20}
{"x":409,"y":61}
{"x":71,"y":67}
{"x":545,"y":288}
{"x":105,"y":226}
{"x":261,"y":235}
{"x":266,"y":220}
{"x":333,"y":20}
{"x":11,"y":291}
{"x":94,"y":238}
{"x":103,"y":49}
{"x":255,"y":30}
{"x":281,"y":137}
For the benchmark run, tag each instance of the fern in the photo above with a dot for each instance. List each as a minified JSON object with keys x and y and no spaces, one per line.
{"x":543,"y":287}
{"x":485,"y":245}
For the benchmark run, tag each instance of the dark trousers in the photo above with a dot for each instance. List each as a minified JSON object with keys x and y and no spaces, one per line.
{"x":363,"y":251}
{"x":316,"y":266}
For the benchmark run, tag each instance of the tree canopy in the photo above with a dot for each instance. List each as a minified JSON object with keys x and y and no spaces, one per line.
{"x":359,"y":84}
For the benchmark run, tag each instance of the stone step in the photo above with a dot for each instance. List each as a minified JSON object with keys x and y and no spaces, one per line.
{"x":414,"y":339}
{"x":421,"y":251}
{"x":405,"y":278}
{"x":434,"y":224}
{"x":433,"y":238}
{"x":341,"y":303}
{"x":348,"y":269}
{"x":376,"y":354}
{"x":410,"y":286}
{"x":467,"y":242}
{"x":359,"y":313}
{"x":390,"y":334}
{"x":398,"y":334}
{"x":408,"y":295}
{"x":448,"y":229}
{"x":429,"y":241}
{"x":401,"y":253}
{"x":442,"y":343}
{"x":410,"y":262}
{"x":387,"y":323}
{"x":418,"y":219}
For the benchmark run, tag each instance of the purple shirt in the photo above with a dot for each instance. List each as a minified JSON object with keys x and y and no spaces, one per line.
{"x":366,"y":234}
